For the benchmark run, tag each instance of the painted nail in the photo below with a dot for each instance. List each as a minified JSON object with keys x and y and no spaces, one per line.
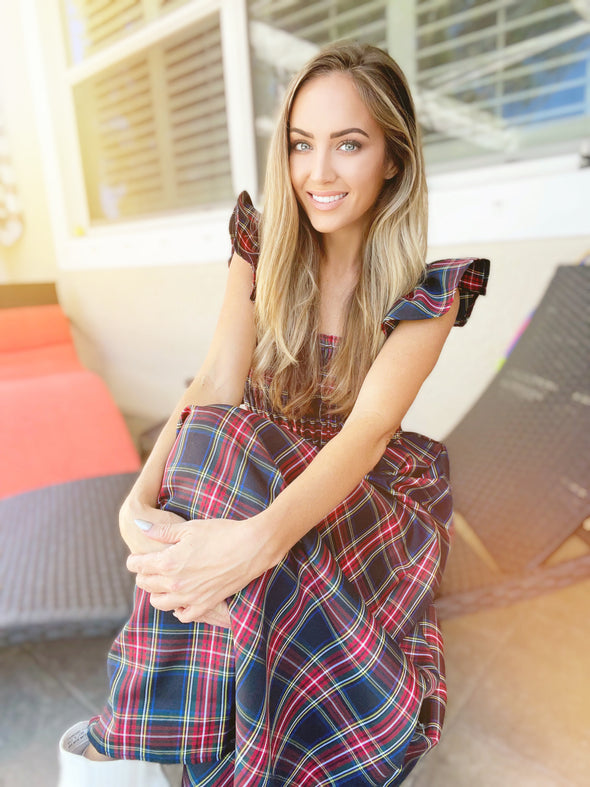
{"x":143,"y":525}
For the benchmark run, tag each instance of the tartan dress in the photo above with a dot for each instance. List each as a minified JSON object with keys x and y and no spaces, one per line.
{"x":332,"y":672}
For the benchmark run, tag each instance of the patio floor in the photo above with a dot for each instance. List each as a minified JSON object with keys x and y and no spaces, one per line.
{"x":519,"y":694}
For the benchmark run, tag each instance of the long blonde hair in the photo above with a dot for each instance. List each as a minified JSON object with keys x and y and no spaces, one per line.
{"x":287,"y":293}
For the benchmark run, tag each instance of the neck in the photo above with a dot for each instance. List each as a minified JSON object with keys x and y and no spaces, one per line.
{"x":339,"y":251}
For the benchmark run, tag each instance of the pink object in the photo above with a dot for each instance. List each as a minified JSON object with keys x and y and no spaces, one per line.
{"x":58,"y":420}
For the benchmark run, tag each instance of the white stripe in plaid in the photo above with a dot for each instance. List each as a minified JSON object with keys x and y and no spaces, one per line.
{"x":338,"y":673}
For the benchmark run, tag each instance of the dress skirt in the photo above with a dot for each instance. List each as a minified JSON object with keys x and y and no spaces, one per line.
{"x":332,"y":673}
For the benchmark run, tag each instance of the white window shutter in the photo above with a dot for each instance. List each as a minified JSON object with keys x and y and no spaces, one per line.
{"x":153,"y":127}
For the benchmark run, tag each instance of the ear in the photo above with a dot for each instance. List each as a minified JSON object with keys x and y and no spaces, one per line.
{"x":391,"y":169}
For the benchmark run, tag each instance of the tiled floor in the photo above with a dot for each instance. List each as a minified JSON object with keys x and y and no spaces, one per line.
{"x":518,"y":714}
{"x":519,"y":697}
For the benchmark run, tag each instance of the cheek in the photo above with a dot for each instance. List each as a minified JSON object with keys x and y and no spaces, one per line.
{"x":293,"y":172}
{"x":373,"y":183}
{"x":298,"y":168}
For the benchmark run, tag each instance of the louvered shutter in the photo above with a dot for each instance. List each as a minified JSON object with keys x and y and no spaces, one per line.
{"x":523,"y":63}
{"x":152,"y":127}
{"x":93,"y":24}
{"x":490,"y":75}
{"x":197,"y":117}
{"x":325,"y":20}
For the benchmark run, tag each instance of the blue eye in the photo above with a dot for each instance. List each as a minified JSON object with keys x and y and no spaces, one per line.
{"x":349,"y":146}
{"x":300,"y":146}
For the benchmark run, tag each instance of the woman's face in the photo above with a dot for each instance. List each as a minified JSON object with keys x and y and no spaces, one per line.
{"x":337,"y":157}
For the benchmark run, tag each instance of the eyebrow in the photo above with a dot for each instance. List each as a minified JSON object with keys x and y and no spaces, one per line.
{"x":335,"y":135}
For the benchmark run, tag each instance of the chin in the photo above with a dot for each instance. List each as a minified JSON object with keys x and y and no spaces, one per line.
{"x":325,"y":223}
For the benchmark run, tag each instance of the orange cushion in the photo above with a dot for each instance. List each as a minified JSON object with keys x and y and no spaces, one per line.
{"x":58,"y":428}
{"x":25,"y":327}
{"x":53,"y":359}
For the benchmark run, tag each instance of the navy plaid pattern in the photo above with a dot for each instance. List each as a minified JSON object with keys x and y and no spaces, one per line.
{"x":331,"y":654}
{"x":332,"y":673}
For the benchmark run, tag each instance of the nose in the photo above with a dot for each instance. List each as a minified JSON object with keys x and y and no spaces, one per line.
{"x":322,"y":170}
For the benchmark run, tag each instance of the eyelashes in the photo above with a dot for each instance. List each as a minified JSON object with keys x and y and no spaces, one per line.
{"x":347,"y":146}
{"x":351,"y":144}
{"x":299,"y":146}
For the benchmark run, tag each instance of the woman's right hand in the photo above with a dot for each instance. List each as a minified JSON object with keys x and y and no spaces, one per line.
{"x":132,"y":510}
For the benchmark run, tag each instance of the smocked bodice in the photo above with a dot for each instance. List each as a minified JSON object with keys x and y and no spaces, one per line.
{"x":319,"y":425}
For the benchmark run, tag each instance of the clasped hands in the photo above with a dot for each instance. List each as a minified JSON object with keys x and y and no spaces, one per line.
{"x":196,"y":565}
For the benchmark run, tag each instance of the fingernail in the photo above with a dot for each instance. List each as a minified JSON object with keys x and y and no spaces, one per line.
{"x":143,"y":525}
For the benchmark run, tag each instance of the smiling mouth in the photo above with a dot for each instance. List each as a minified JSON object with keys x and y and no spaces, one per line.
{"x":326,"y":199}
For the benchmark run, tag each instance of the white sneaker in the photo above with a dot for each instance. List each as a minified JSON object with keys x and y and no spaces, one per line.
{"x":77,"y":771}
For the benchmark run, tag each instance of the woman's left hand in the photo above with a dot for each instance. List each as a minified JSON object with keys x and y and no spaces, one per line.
{"x":207,"y":561}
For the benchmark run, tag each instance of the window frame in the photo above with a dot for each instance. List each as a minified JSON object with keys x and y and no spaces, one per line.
{"x":187,"y":236}
{"x":200,"y":236}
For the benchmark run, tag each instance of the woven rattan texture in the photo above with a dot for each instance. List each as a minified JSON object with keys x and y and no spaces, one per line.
{"x":62,"y":562}
{"x":520,"y":458}
{"x":506,"y":590}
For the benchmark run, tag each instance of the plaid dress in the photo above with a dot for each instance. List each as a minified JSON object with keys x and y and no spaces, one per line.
{"x":332,"y":673}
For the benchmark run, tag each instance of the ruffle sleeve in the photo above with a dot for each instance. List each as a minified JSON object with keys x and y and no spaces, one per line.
{"x":434,"y":295}
{"x":243,"y":230}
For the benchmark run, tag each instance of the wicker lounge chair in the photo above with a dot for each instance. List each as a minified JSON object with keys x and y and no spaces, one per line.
{"x":520,"y":463}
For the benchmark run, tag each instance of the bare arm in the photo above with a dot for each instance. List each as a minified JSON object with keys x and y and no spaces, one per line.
{"x":220,"y":380}
{"x":210,"y":563}
{"x":405,"y":361}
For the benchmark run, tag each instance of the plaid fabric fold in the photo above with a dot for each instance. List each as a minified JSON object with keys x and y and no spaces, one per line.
{"x":332,"y":673}
{"x":434,"y":295}
{"x":243,"y":232}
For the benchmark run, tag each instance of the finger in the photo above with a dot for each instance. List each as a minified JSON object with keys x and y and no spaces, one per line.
{"x":168,"y":601}
{"x":217,"y":616}
{"x":149,"y":563}
{"x":169,"y":532}
{"x":194,"y":615}
{"x":155,"y":583}
{"x":187,"y":615}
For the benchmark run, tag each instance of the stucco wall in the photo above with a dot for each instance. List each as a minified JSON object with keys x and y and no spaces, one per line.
{"x":520,"y":272}
{"x":144,"y":330}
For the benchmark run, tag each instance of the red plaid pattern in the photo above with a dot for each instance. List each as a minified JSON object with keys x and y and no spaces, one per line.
{"x":332,"y":654}
{"x":434,"y":295}
{"x":333,"y":671}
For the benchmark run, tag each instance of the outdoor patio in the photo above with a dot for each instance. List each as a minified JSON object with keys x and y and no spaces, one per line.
{"x":518,"y":699}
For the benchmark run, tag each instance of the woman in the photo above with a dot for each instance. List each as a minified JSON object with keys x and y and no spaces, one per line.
{"x":286,"y":633}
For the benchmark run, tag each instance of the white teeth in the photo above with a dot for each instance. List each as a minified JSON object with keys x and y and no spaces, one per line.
{"x":334,"y":198}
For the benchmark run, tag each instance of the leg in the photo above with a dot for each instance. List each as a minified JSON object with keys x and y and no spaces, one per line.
{"x":93,"y":754}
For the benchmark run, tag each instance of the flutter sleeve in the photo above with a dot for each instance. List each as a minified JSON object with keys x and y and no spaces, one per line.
{"x":434,"y":295}
{"x":243,"y":230}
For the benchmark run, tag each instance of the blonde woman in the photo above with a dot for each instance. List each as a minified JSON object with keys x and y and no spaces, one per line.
{"x":287,"y":535}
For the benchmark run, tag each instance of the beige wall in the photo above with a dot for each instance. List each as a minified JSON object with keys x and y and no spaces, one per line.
{"x":144,"y":330}
{"x":3,"y":272}
{"x":32,"y":257}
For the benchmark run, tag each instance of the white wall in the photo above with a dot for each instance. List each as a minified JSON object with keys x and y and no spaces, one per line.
{"x":144,"y":330}
{"x":32,"y":257}
{"x":527,"y":218}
